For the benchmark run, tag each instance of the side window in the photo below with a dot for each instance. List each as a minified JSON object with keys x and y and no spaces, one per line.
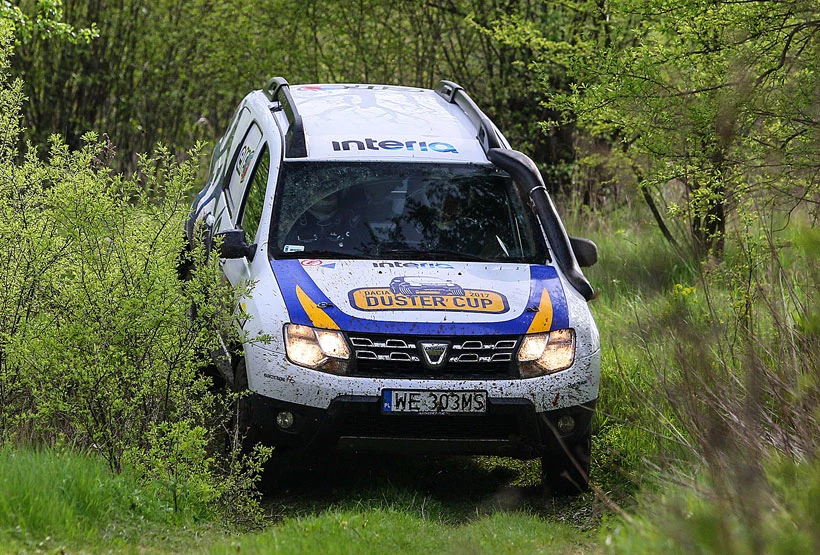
{"x":222,"y":150}
{"x":245,"y":159}
{"x":254,"y":202}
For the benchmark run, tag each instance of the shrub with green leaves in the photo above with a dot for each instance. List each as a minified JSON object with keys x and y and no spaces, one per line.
{"x":99,"y":349}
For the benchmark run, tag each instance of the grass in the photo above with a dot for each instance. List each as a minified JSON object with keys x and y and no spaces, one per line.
{"x":636,"y":277}
{"x":357,"y":503}
{"x":45,"y":494}
{"x":779,"y":516}
{"x":57,"y":501}
{"x":365,"y":504}
{"x":711,"y":385}
{"x":377,"y":530}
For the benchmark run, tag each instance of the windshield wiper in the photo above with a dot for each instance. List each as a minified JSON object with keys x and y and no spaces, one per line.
{"x":443,"y":254}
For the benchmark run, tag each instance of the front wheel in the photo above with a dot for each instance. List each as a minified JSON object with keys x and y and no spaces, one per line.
{"x":565,"y":469}
{"x":246,"y":431}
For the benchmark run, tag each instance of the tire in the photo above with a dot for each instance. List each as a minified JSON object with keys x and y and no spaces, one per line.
{"x":245,"y":428}
{"x":248,"y":433}
{"x":565,"y":469}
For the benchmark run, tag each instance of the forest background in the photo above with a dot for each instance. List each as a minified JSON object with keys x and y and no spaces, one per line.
{"x":684,"y":137}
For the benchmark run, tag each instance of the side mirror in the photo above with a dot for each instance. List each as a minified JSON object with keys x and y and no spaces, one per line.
{"x":586,"y":252}
{"x":232,"y":244}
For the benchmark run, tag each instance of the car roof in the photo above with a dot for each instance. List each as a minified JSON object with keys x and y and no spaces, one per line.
{"x":380,"y":122}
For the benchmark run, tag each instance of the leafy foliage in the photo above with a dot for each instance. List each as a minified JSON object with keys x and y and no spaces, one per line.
{"x":173,"y":72}
{"x":710,"y":101}
{"x":99,"y":349}
{"x":46,"y":22}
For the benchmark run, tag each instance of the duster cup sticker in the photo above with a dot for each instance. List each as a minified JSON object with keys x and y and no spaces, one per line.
{"x":423,"y":293}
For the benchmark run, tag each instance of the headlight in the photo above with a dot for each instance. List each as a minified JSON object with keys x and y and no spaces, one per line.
{"x":546,"y":353}
{"x":324,"y":350}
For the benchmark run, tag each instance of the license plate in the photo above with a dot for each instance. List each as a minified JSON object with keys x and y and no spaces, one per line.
{"x":433,"y":402}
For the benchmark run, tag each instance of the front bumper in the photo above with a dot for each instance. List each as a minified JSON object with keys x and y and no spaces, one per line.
{"x":271,"y":376}
{"x":511,"y":428}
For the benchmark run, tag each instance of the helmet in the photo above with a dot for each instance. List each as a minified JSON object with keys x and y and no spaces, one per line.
{"x":325,"y":207}
{"x":451,"y":203}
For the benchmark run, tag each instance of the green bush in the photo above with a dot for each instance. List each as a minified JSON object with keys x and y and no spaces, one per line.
{"x":99,"y":350}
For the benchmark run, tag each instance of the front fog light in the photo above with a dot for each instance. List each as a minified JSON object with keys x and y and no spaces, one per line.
{"x":284,"y":419}
{"x":566,"y":425}
{"x":324,"y":350}
{"x":545,"y":353}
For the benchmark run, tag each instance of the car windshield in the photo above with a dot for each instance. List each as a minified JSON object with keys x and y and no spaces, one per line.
{"x":402,"y":210}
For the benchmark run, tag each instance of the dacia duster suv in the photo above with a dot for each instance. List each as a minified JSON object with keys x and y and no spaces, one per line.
{"x":415,"y":284}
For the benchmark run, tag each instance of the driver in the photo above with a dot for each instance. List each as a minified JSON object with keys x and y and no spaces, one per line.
{"x":327,"y":225}
{"x":462,"y":224}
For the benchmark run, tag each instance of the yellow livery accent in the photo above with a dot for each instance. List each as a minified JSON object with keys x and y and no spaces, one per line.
{"x":318,"y":316}
{"x":543,"y":318}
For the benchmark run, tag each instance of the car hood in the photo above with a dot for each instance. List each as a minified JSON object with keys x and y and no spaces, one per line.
{"x":422,"y":297}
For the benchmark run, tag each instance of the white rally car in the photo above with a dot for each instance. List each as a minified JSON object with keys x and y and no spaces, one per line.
{"x":417,"y":288}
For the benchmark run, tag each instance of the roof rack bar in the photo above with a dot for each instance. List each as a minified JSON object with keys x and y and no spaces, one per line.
{"x":455,"y":94}
{"x":278,"y":90}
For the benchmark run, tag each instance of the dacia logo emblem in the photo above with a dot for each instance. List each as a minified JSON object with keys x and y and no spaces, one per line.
{"x":434,"y":353}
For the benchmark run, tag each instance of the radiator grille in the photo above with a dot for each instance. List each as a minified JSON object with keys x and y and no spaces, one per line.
{"x":484,"y":357}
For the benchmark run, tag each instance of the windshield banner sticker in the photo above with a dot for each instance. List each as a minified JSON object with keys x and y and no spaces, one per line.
{"x":424,"y":293}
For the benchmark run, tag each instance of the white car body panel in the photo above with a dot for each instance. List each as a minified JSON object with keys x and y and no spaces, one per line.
{"x":400,"y":123}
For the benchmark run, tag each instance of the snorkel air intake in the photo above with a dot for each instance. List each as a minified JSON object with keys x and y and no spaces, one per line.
{"x":528,"y":179}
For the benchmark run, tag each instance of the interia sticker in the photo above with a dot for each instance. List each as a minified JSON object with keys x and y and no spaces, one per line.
{"x":424,"y":293}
